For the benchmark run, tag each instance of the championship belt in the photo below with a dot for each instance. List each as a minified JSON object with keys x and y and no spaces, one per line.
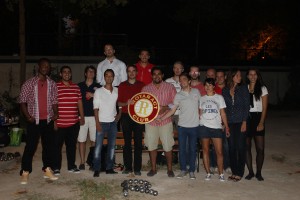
{"x":144,"y":108}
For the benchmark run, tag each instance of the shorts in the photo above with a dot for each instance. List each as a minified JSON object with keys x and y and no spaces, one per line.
{"x":252,"y":123}
{"x":205,"y":132}
{"x":164,"y":133}
{"x":88,"y":127}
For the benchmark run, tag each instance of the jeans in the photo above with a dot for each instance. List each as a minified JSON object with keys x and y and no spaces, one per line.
{"x":109,"y":128}
{"x":34,"y":132}
{"x":129,"y":126}
{"x":237,"y":149}
{"x":190,"y":135}
{"x":68,"y":136}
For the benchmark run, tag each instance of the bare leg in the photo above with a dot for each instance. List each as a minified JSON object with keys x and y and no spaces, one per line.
{"x":82,"y":152}
{"x":153,"y":155}
{"x":169,"y":160}
{"x":205,"y":148}
{"x":219,"y":152}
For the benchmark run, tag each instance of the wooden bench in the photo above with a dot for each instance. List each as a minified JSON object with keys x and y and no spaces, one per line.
{"x":120,"y":143}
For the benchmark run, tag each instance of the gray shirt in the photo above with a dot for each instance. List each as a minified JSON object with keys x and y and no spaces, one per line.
{"x":188,"y":103}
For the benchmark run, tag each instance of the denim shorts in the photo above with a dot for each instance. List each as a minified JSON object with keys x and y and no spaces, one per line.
{"x":205,"y":132}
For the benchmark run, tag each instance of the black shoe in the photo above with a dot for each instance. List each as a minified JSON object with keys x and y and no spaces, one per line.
{"x":171,"y":174}
{"x":96,"y":174}
{"x":137,"y":173}
{"x":259,"y":177}
{"x":82,"y":167}
{"x":249,"y":176}
{"x":151,"y":173}
{"x":111,"y":171}
{"x":74,"y":170}
{"x":126,"y":171}
{"x":56,"y":172}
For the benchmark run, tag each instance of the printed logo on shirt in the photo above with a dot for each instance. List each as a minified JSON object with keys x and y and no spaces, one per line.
{"x":210,"y":110}
{"x":144,"y":109}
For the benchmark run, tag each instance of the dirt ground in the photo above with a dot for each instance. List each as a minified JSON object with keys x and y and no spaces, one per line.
{"x":281,"y":171}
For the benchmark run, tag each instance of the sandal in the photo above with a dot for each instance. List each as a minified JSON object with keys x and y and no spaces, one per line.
{"x":231,"y":178}
{"x":237,"y":178}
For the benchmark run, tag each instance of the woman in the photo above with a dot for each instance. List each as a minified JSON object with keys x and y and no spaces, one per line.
{"x":187,"y":100}
{"x":256,"y":122}
{"x":236,"y":97}
{"x":212,"y":114}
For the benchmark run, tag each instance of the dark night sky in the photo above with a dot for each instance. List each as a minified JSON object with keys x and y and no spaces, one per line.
{"x":163,"y":24}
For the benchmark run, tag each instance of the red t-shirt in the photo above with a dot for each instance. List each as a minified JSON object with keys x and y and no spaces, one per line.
{"x":42,"y":99}
{"x":68,"y":97}
{"x":127,"y":90}
{"x":201,"y":88}
{"x":144,"y":74}
{"x":218,"y":90}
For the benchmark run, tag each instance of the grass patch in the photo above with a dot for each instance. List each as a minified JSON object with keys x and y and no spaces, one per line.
{"x":90,"y":190}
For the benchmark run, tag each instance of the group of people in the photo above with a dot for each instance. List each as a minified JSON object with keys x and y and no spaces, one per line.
{"x":222,"y":111}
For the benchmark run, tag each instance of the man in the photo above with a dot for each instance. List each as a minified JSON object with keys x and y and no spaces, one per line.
{"x":111,"y":62}
{"x":220,"y":81}
{"x":127,"y":90}
{"x":144,"y":67}
{"x":105,"y":100}
{"x":212,"y":73}
{"x":177,"y":70}
{"x":165,"y":93}
{"x":68,"y":122}
{"x":87,"y":89}
{"x":38,"y":101}
{"x":195,"y":80}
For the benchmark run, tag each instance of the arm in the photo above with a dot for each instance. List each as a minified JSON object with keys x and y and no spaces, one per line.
{"x":261,"y":125}
{"x":168,"y":114}
{"x":25,"y":112}
{"x":55,"y":112}
{"x":98,"y":125}
{"x":245,"y":107}
{"x":80,"y":110}
{"x":224,"y":120}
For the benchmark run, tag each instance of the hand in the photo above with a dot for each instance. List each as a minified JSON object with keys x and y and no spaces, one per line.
{"x":54,"y":117}
{"x":130,"y":102}
{"x":260,"y":127}
{"x":88,"y":95}
{"x":163,"y":109}
{"x":227,"y":131}
{"x":81,"y":121}
{"x":98,"y":127}
{"x":158,"y":119}
{"x":117,"y":117}
{"x":243,"y":127}
{"x":30,"y":119}
{"x":55,"y":126}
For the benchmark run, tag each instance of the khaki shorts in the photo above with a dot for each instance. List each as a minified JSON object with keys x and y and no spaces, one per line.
{"x":88,"y":127}
{"x":164,"y":133}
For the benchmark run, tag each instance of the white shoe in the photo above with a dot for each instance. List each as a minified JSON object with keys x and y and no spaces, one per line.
{"x":182,"y":174}
{"x":208,"y":177}
{"x":222,"y":178}
{"x":49,"y":174}
{"x":192,"y":175}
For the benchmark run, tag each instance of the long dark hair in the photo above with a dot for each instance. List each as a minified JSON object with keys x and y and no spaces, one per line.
{"x":258,"y":84}
{"x":231,"y":73}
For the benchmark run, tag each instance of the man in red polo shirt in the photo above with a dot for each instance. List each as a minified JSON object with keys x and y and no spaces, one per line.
{"x":127,"y":90}
{"x":144,"y":67}
{"x":67,"y":125}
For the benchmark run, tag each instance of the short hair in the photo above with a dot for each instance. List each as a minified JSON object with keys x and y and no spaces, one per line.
{"x":41,"y":60}
{"x":185,"y":74}
{"x":109,"y":70}
{"x":92,"y":68}
{"x":156,"y":68}
{"x":210,"y":81}
{"x":65,"y":67}
{"x":133,"y":65}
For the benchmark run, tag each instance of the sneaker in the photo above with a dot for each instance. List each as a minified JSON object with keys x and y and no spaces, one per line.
{"x":82,"y":167}
{"x":56,"y":172}
{"x":24,"y":178}
{"x":182,"y":174}
{"x":49,"y":174}
{"x":228,"y":170}
{"x":192,"y":175}
{"x":137,"y":173}
{"x":208,"y":177}
{"x":96,"y":174}
{"x":151,"y":173}
{"x":212,"y":170}
{"x":171,"y":174}
{"x":222,"y":178}
{"x":111,"y":171}
{"x":216,"y":170}
{"x":75,"y":170}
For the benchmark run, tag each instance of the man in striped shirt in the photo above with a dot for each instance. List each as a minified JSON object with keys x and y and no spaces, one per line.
{"x":69,"y":109}
{"x":163,"y":130}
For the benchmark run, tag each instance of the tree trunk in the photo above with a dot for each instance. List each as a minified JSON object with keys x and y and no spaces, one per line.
{"x":22,"y":41}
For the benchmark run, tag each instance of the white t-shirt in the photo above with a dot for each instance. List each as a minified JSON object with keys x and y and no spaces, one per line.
{"x":210,"y":107}
{"x":177,"y":87}
{"x":117,"y":66}
{"x":106,"y":101}
{"x":257,"y":104}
